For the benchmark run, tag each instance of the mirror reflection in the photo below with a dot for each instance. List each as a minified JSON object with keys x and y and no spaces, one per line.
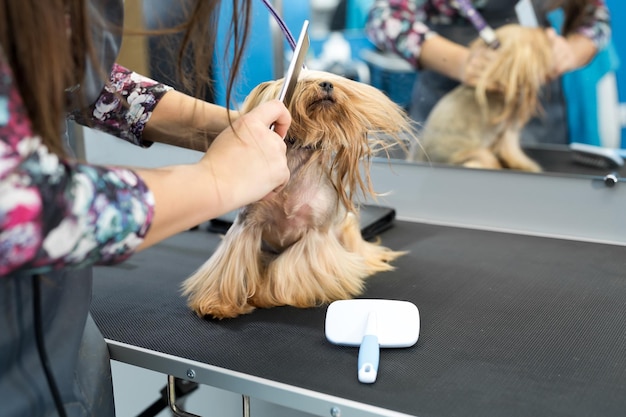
{"x":522,"y":98}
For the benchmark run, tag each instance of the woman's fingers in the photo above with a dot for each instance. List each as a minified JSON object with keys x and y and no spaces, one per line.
{"x":477,"y":63}
{"x":563,"y":55}
{"x":248,"y":159}
{"x":273,"y":113}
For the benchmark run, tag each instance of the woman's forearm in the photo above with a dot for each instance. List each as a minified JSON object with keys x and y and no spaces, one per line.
{"x":444,"y":56}
{"x":184,"y":197}
{"x":184,"y":121}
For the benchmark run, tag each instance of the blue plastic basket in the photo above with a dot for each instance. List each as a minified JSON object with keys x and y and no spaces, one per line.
{"x":392,"y":75}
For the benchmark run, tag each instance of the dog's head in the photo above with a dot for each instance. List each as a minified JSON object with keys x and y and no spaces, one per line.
{"x":524,"y":63}
{"x":344,"y":122}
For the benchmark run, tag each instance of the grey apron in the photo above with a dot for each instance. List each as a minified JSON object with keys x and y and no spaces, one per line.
{"x":430,"y":86}
{"x":77,"y":353}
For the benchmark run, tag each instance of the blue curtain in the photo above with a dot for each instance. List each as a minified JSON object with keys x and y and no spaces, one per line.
{"x":579,"y":88}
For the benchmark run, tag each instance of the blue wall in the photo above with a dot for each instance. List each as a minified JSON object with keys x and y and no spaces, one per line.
{"x":618,"y":11}
{"x":259,"y":56}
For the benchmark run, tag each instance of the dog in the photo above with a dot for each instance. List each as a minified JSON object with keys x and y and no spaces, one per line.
{"x":478,"y":127}
{"x":303,"y":247}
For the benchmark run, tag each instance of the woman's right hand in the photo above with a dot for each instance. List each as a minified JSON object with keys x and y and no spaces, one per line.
{"x":248,"y":160}
{"x":245,"y":163}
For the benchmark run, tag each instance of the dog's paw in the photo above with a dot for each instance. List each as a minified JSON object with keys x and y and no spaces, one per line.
{"x":528,"y":166}
{"x":221,"y":311}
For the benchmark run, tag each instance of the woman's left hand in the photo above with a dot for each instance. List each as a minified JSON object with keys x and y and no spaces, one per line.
{"x":569,"y":53}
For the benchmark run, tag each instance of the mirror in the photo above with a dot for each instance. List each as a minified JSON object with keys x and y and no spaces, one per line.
{"x":394,"y":76}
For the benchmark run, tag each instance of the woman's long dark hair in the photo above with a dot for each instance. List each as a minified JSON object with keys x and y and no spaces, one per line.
{"x":197,"y":48}
{"x":577,"y":13}
{"x":34,"y":41}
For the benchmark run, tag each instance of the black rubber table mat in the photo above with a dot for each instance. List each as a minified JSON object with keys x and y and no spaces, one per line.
{"x":511,"y":325}
{"x":554,"y":159}
{"x":562,"y":161}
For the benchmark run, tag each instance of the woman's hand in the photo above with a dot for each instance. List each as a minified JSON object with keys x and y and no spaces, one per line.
{"x":569,"y":53}
{"x":477,"y":62}
{"x":248,"y":160}
{"x":245,"y":163}
{"x":563,"y":55}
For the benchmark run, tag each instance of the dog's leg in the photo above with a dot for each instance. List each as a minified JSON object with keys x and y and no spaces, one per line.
{"x":315,"y":270}
{"x":512,"y":155}
{"x":223,"y":285}
{"x":323,"y":267}
{"x":479,"y":158}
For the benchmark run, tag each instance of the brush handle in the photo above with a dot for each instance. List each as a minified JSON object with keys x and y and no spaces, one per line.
{"x":485,"y":31}
{"x":369,"y":355}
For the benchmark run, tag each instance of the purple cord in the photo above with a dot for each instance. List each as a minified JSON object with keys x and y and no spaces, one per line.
{"x":484,"y":30}
{"x":281,"y":23}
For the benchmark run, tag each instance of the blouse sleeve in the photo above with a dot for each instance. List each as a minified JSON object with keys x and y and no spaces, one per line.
{"x":124,"y":106}
{"x":398,"y":26}
{"x":55,"y":213}
{"x":597,"y":24}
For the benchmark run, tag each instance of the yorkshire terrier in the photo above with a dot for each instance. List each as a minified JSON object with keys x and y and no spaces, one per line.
{"x":303,"y":247}
{"x":479,"y":127}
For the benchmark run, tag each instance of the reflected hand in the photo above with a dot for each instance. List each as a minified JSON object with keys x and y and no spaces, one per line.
{"x":563,"y":54}
{"x":476,"y":64}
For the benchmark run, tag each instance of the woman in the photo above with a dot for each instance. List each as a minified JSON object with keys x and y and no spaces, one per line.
{"x":433,"y":36}
{"x":59,"y":216}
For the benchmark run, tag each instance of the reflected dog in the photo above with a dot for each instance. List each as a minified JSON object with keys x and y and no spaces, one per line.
{"x":479,"y":127}
{"x":303,"y":247}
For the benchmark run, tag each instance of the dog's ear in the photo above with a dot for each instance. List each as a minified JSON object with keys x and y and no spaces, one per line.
{"x":522,"y":65}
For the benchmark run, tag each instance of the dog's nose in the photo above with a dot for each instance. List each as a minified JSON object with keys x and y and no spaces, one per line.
{"x":326,"y":86}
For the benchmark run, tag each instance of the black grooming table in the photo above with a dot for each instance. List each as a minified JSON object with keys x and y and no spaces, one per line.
{"x":512,"y":325}
{"x":561,"y":160}
{"x":553,"y":158}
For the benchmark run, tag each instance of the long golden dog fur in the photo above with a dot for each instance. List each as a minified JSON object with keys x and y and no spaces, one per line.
{"x":303,"y":247}
{"x":479,"y":127}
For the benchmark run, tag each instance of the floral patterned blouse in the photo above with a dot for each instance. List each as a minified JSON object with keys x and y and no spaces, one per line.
{"x":401,"y":26}
{"x":58,"y":213}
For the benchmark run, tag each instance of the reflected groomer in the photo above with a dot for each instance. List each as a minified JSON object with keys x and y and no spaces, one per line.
{"x":433,"y":36}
